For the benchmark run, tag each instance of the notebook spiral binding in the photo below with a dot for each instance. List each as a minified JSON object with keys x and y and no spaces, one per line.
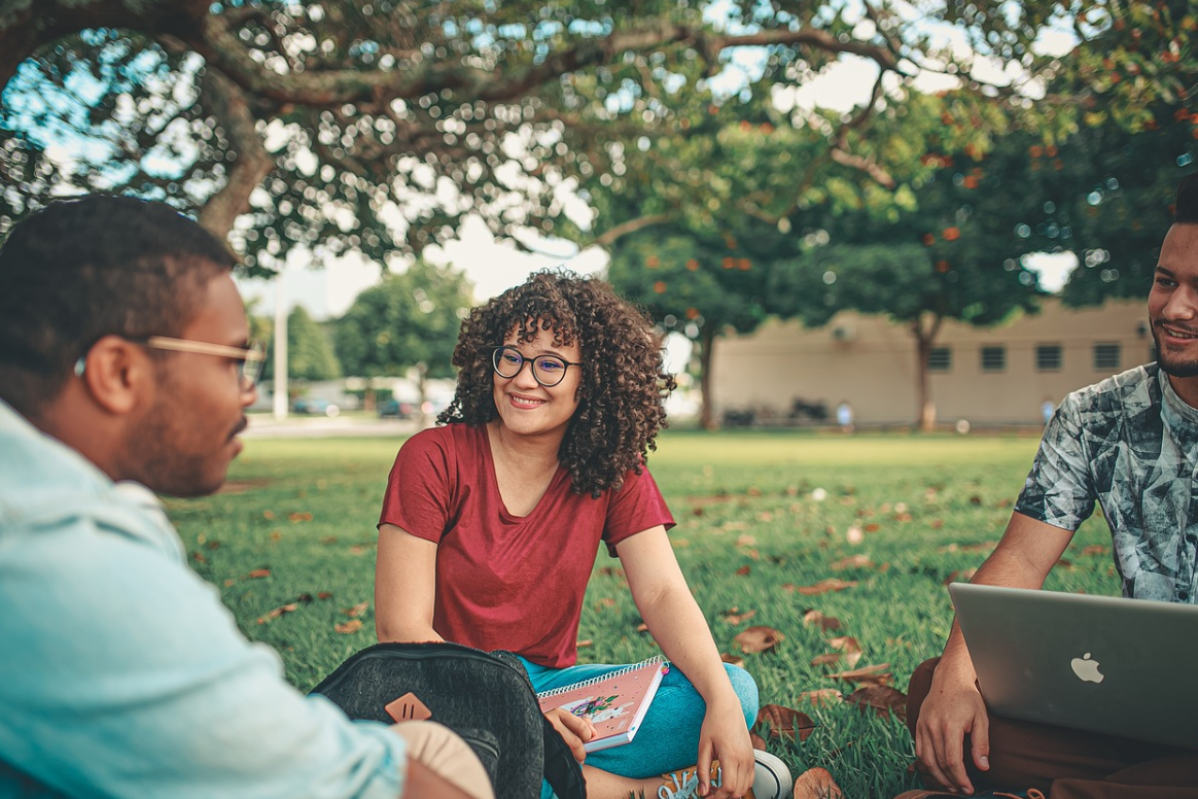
{"x":603,"y":677}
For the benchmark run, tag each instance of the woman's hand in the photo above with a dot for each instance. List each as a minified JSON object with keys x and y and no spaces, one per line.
{"x":575,"y":730}
{"x":724,"y":737}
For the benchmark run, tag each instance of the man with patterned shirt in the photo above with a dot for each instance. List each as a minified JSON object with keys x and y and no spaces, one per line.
{"x":1129,"y":443}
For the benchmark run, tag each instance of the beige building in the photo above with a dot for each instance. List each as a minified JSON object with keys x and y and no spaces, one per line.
{"x":989,"y":376}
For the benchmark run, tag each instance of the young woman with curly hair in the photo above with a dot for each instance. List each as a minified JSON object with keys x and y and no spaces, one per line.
{"x":491,"y":525}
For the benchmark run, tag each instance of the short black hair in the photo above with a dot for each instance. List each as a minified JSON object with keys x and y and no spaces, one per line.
{"x":81,"y":269}
{"x":1185,"y":207}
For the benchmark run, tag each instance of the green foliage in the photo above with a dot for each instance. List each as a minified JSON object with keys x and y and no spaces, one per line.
{"x":324,"y":119}
{"x":742,"y":500}
{"x":409,"y":319}
{"x":310,"y":353}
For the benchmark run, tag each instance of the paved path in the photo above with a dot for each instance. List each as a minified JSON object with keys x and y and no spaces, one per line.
{"x":266,"y":426}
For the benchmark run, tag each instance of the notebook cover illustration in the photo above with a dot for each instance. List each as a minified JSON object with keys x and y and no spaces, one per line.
{"x":615,"y":703}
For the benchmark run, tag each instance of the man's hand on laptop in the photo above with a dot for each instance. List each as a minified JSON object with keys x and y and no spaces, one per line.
{"x":953,"y":709}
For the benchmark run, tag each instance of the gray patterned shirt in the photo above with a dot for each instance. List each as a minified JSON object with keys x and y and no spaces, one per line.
{"x":1130,"y":443}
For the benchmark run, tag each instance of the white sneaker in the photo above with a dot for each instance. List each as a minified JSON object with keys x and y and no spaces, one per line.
{"x":771,"y":780}
{"x":771,"y":777}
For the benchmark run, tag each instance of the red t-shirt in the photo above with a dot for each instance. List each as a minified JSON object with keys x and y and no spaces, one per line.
{"x":503,"y":581}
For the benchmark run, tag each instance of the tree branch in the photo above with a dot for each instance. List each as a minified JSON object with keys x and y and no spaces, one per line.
{"x":219,"y":44}
{"x":632,"y":226}
{"x":252,"y":163}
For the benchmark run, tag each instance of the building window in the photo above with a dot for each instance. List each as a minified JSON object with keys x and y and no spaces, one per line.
{"x":1048,"y":358}
{"x":1107,"y":356}
{"x":940,"y":359}
{"x":994,"y":359}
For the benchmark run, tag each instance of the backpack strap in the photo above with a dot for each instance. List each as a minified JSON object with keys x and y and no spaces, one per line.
{"x":562,"y":771}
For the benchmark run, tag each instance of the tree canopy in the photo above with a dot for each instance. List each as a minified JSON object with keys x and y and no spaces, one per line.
{"x":409,"y":320}
{"x":376,"y":124}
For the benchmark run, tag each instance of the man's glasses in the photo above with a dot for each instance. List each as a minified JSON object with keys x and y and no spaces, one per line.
{"x":250,"y":358}
{"x":548,"y":370}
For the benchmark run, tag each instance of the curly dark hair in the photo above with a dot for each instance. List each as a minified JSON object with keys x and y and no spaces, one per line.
{"x":624,"y":382}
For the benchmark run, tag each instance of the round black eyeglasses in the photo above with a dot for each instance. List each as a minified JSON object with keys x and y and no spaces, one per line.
{"x":548,"y":370}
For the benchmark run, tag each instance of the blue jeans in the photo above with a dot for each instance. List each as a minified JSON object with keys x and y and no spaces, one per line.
{"x":668,"y":738}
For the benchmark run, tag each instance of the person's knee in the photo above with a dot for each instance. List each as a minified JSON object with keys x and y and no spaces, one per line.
{"x":443,"y":752}
{"x":746,"y":690}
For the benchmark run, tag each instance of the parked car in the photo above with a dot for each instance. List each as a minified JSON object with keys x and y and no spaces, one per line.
{"x":395,"y":409}
{"x":317,"y":407}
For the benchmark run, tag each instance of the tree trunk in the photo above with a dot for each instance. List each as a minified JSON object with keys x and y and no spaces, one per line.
{"x":706,"y":345}
{"x":924,"y":338}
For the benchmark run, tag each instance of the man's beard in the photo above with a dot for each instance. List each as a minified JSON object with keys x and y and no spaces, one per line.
{"x":1173,"y":366}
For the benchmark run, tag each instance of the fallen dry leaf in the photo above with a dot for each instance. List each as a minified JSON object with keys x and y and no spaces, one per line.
{"x":585,"y":642}
{"x":351,"y":626}
{"x":733,"y":659}
{"x":823,"y":586}
{"x":743,"y":571}
{"x":758,"y":639}
{"x":746,"y":541}
{"x":816,"y":783}
{"x":257,"y":574}
{"x":356,"y":610}
{"x":324,"y":595}
{"x":1064,"y":563}
{"x":279,"y":611}
{"x":605,"y":602}
{"x":822,"y":696}
{"x":642,"y":628}
{"x":960,"y":576}
{"x":734,"y":616}
{"x":853,"y":562}
{"x":882,"y":698}
{"x":1094,"y":549}
{"x":268,"y":514}
{"x":757,"y":741}
{"x":849,"y":654}
{"x":357,"y":549}
{"x":937,"y":524}
{"x":825,"y":622}
{"x":300,"y":517}
{"x":784,"y":722}
{"x":869,"y":675}
{"x":873,"y":527}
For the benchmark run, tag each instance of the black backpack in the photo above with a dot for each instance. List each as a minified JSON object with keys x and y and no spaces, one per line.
{"x":485,"y":697}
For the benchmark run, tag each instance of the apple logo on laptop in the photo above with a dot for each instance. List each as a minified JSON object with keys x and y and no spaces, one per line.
{"x":1087,"y":669}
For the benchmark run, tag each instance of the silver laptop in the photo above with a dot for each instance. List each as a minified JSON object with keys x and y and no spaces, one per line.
{"x":1104,"y":664}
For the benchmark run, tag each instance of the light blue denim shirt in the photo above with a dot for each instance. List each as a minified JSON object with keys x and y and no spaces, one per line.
{"x":122,"y":674}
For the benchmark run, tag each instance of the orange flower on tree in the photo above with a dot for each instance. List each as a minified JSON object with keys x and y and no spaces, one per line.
{"x":952,"y":233}
{"x":652,"y":262}
{"x":692,"y":265}
{"x":660,"y":287}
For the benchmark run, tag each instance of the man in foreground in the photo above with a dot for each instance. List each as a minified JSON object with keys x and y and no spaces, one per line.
{"x":1131,"y":444}
{"x":125,"y":369}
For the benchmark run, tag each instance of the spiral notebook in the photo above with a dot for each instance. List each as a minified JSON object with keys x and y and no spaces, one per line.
{"x":615,"y":703}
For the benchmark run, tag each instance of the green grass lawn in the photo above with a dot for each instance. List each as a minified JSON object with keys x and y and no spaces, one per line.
{"x":295,"y":527}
